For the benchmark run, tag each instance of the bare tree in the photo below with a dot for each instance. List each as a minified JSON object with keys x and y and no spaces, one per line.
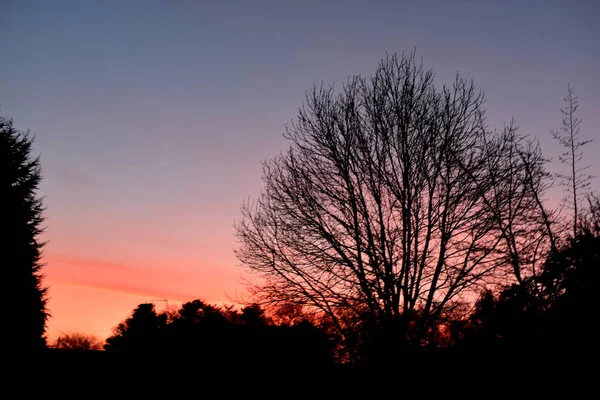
{"x":390,"y":204}
{"x":512,"y":187}
{"x":577,"y":179}
{"x":591,"y":221}
{"x":78,"y":341}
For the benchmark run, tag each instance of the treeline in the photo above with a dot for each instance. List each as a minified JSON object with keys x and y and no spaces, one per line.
{"x":222,"y":333}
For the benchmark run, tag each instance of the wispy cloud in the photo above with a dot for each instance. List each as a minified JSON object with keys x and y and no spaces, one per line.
{"x":146,"y":283}
{"x":144,"y":294}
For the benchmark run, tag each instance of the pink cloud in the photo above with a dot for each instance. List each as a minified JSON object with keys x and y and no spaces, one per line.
{"x":147,"y":295}
{"x":144,"y":282}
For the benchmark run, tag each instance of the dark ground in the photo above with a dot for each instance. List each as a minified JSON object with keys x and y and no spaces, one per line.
{"x":98,"y":374}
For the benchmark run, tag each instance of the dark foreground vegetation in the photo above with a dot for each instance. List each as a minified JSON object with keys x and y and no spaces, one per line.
{"x":213,"y":333}
{"x":545,"y":318}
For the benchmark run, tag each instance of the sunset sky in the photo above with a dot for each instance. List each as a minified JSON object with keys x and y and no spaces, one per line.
{"x":152,"y":117}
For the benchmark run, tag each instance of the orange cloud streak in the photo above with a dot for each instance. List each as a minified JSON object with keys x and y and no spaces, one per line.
{"x":92,"y":296}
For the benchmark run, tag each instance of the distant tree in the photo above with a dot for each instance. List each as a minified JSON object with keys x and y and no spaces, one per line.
{"x":20,"y":176}
{"x":140,"y":332}
{"x":198,"y":311}
{"x":253,"y":315}
{"x":289,"y":314}
{"x":515,"y":181}
{"x":569,"y":280}
{"x":393,"y":202}
{"x":215,"y":334}
{"x":591,"y":222}
{"x":553,"y":310}
{"x":577,"y":180}
{"x":512,"y":319}
{"x":78,"y":341}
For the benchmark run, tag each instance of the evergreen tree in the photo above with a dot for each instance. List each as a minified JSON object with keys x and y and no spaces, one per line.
{"x":20,"y":176}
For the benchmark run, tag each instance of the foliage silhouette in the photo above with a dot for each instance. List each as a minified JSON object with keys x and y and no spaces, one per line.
{"x":218,"y":334}
{"x":20,"y":176}
{"x":569,"y":282}
{"x":551,"y":312}
{"x":253,"y":315}
{"x":140,"y":332}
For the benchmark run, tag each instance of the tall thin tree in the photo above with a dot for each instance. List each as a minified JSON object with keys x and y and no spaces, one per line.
{"x":576,"y":179}
{"x":21,"y":208}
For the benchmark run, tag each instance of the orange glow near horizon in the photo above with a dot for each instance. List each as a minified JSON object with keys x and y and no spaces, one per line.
{"x":93,"y":296}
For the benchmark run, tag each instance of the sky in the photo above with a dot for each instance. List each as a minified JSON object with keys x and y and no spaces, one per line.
{"x":152,"y":117}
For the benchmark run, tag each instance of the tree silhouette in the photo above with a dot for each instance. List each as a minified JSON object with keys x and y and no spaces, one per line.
{"x":552,"y":311}
{"x":197,"y":326}
{"x":198,"y":312}
{"x":569,"y":281}
{"x":20,"y":176}
{"x":393,"y":201}
{"x":253,"y":315}
{"x":576,"y":179}
{"x":591,"y":221}
{"x":78,"y":341}
{"x":289,"y":314}
{"x":140,"y":332}
{"x":214,"y":334}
